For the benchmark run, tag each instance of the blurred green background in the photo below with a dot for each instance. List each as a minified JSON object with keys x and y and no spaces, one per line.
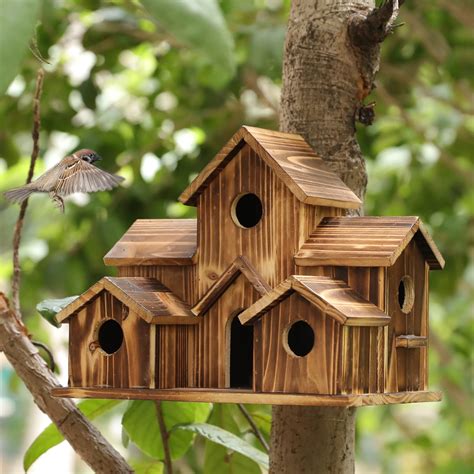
{"x":156,"y":88}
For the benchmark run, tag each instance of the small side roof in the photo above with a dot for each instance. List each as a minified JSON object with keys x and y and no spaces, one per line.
{"x":156,"y":242}
{"x":147,"y":297}
{"x":333,"y":297}
{"x":292,"y":160}
{"x":240,"y":266}
{"x":366,"y":241}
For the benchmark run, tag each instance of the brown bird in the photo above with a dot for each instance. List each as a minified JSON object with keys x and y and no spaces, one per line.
{"x":73,"y":174}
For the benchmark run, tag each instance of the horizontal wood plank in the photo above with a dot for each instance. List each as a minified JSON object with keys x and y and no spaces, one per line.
{"x":156,"y":242}
{"x":366,"y":241}
{"x":243,"y":396}
{"x":411,"y":342}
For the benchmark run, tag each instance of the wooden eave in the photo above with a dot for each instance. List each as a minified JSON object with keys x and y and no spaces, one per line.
{"x":240,"y":266}
{"x":366,"y":242}
{"x":156,"y":242}
{"x":146,"y":297}
{"x":333,"y":297}
{"x":291,"y":159}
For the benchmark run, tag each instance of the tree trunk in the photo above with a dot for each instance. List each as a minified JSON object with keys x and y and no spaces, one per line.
{"x":331,"y":56}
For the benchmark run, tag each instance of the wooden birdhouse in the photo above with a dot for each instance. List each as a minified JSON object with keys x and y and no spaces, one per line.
{"x":271,"y":295}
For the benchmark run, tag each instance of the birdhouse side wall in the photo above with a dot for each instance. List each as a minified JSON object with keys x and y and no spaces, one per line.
{"x":212,"y":337}
{"x":271,"y":244}
{"x":89,"y":366}
{"x":408,"y":367}
{"x":318,"y":372}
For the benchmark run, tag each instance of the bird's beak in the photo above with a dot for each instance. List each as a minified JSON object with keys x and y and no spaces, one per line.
{"x":97,"y":158}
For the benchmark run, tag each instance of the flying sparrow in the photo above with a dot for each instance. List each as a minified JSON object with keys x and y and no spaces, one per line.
{"x":73,"y":174}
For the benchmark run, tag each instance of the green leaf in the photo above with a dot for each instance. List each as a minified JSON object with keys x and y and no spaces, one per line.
{"x":17,"y":23}
{"x":50,"y":308}
{"x":51,"y":437}
{"x":147,"y":467}
{"x":229,"y":440}
{"x":201,"y":25}
{"x":141,"y":423}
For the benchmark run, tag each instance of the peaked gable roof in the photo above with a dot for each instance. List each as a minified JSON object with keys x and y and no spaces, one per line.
{"x":240,"y":266}
{"x":333,"y":297}
{"x":156,"y":242}
{"x":366,"y":241}
{"x":291,"y":159}
{"x":147,"y":297}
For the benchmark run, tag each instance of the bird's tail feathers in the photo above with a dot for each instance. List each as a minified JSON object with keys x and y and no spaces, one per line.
{"x":18,"y":194}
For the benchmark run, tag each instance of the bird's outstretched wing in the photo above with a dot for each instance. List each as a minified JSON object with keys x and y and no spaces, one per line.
{"x":78,"y":176}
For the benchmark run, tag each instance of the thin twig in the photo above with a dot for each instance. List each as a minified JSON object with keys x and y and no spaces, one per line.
{"x":52,"y":363}
{"x":21,"y":216}
{"x":164,"y":437}
{"x":254,"y":427}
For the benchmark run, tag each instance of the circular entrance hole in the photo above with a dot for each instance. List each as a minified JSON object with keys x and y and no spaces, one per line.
{"x":110,"y":336}
{"x":247,"y":210}
{"x":299,"y":339}
{"x":406,"y":294}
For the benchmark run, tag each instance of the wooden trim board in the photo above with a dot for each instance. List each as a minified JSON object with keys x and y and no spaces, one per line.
{"x":245,"y":396}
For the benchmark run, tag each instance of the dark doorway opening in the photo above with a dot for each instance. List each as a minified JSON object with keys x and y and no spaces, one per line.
{"x":241,"y":355}
{"x":247,"y":210}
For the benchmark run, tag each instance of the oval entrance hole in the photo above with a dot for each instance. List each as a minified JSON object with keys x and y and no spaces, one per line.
{"x":247,"y":210}
{"x":300,"y":338}
{"x":110,"y":336}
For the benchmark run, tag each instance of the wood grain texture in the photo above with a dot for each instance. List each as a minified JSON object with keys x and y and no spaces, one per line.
{"x":147,"y":297}
{"x":270,"y":245}
{"x":407,"y":368}
{"x":90,"y":366}
{"x":156,"y":242}
{"x":291,"y":159}
{"x":239,"y":266}
{"x":366,"y":242}
{"x":242,"y":396}
{"x":333,"y":297}
{"x":411,"y":342}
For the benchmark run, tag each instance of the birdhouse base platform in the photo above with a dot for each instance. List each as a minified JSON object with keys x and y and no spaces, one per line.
{"x":247,"y":396}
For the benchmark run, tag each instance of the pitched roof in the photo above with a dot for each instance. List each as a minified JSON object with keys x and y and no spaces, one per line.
{"x":147,"y":297}
{"x":333,"y":297}
{"x":366,"y":241}
{"x":292,"y":160}
{"x":156,"y":242}
{"x":240,"y":266}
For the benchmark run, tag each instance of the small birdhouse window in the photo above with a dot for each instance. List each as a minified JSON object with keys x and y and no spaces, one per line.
{"x":298,"y":339}
{"x":247,"y":210}
{"x":406,"y":294}
{"x":110,"y":336}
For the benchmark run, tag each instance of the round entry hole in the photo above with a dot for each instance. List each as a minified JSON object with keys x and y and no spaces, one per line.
{"x":110,"y":336}
{"x":247,"y":210}
{"x":300,"y":339}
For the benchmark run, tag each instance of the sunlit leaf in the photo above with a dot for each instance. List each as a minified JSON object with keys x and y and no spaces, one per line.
{"x":51,"y":436}
{"x":147,"y":467}
{"x":199,"y":24}
{"x":229,"y":440}
{"x":50,"y":308}
{"x":17,"y":22}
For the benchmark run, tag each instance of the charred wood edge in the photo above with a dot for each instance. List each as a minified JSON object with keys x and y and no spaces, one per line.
{"x":366,"y":32}
{"x":164,"y":437}
{"x":258,"y":434}
{"x":84,"y":437}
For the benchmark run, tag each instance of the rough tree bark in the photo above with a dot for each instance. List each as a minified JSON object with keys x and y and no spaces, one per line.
{"x":331,"y":56}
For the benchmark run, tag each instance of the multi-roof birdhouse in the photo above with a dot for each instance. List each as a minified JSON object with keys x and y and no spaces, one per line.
{"x":270,"y":296}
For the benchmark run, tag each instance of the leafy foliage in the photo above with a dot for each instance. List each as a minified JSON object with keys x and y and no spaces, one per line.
{"x":156,"y":88}
{"x":51,"y":436}
{"x":50,"y":308}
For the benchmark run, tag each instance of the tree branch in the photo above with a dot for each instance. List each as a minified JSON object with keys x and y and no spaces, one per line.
{"x":164,"y":437}
{"x":254,"y":427}
{"x":84,"y":437}
{"x":372,"y":29}
{"x":21,"y":216}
